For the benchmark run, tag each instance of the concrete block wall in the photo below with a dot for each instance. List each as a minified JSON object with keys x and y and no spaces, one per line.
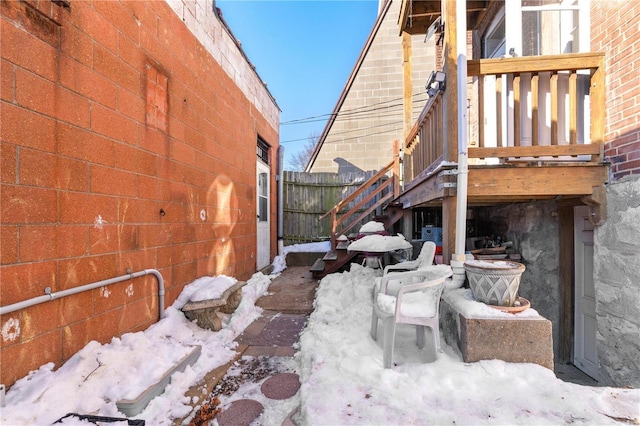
{"x":614,"y":31}
{"x":363,"y":141}
{"x":126,"y":144}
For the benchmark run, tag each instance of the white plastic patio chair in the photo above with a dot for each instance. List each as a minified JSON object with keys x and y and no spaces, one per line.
{"x":408,"y":298}
{"x":425,"y":258}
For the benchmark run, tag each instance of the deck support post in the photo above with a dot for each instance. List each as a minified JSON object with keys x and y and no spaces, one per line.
{"x":597,"y":203}
{"x":450,"y":133}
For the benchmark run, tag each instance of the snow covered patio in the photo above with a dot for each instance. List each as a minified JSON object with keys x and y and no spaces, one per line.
{"x":343,"y":381}
{"x":340,"y":369}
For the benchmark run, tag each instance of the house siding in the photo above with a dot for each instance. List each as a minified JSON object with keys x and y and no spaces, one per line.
{"x":128,"y":142}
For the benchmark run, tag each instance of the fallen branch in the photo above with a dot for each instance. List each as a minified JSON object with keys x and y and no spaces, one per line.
{"x":100,"y":364}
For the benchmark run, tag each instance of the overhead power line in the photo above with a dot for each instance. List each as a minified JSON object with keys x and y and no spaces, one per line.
{"x":345,"y":139}
{"x":362,"y":109}
{"x":367,"y":115}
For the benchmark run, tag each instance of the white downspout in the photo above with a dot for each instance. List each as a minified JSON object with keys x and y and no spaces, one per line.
{"x":280,"y":177}
{"x":457,"y":262}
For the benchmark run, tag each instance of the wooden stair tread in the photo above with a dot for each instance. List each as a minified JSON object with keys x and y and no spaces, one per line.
{"x":318,"y":266}
{"x":342,"y":245}
{"x":331,"y":255}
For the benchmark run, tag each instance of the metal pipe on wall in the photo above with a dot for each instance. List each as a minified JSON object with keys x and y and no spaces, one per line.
{"x":56,"y":295}
{"x":280,"y":178}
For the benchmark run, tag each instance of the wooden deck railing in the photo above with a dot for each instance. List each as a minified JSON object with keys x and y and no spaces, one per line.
{"x":423,"y":145}
{"x":542,"y":108}
{"x":387,"y":178}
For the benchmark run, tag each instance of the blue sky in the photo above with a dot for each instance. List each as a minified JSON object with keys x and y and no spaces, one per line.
{"x":304,"y":51}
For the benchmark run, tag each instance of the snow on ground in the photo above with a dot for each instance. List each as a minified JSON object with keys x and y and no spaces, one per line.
{"x":95,"y":378}
{"x":340,"y":367}
{"x":343,"y":381}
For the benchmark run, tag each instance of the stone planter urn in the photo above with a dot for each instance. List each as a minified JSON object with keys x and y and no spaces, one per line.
{"x":494,"y":282}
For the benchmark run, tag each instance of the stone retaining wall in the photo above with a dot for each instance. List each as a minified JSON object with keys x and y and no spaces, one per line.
{"x":617,"y":283}
{"x":533,"y":229}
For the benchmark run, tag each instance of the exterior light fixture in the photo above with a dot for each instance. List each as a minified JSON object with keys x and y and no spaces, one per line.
{"x":436,"y":83}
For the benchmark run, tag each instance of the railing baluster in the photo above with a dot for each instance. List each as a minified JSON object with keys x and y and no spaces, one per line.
{"x":499,"y":124}
{"x":534,"y":109}
{"x":573,"y":108}
{"x":597,"y":108}
{"x":553,"y":84}
{"x":334,"y":229}
{"x":516,"y":110}
{"x":481,"y":112}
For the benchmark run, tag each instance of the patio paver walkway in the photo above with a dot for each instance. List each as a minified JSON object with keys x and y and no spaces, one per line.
{"x":262,"y":347}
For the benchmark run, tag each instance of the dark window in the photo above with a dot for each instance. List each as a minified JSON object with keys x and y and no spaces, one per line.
{"x":263,"y":150}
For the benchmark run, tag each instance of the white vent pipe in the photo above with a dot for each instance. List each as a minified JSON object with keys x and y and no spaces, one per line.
{"x":457,"y":260}
{"x":463,"y":151}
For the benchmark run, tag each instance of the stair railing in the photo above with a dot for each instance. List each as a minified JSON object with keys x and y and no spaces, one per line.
{"x":392,"y":183}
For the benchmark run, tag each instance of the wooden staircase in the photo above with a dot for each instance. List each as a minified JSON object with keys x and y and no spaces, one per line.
{"x":393,"y":213}
{"x":333,"y":260}
{"x":339,"y":257}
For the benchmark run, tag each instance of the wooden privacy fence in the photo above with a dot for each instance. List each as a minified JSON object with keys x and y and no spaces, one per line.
{"x":307,"y":196}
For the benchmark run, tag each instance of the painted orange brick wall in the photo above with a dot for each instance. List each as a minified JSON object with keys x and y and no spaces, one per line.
{"x":125,"y":147}
{"x":614,"y":31}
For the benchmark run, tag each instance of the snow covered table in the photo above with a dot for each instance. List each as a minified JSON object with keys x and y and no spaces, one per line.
{"x":373,"y":247}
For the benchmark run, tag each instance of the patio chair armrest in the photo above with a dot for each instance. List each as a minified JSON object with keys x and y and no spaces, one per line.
{"x":409,"y":265}
{"x":420,"y":275}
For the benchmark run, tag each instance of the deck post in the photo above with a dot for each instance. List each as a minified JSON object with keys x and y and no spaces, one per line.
{"x":396,"y":169}
{"x":450,"y":134}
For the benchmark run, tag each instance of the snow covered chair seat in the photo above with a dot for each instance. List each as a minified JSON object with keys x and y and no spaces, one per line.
{"x":408,"y":298}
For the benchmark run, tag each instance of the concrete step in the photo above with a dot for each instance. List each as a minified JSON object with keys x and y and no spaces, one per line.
{"x":303,"y":258}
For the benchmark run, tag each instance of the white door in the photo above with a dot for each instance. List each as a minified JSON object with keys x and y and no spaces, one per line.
{"x":263,"y":216}
{"x":585,"y":351}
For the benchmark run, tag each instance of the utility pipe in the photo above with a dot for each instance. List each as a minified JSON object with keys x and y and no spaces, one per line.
{"x":463,"y":152}
{"x":57,"y":295}
{"x":280,"y":177}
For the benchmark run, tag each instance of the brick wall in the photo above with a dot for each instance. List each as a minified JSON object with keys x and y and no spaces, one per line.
{"x":614,"y":31}
{"x":127,"y":144}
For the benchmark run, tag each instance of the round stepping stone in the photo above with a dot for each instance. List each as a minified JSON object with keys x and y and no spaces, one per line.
{"x":240,"y":413}
{"x":281,"y":386}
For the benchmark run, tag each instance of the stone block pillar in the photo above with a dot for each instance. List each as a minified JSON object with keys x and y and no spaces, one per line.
{"x":522,"y":340}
